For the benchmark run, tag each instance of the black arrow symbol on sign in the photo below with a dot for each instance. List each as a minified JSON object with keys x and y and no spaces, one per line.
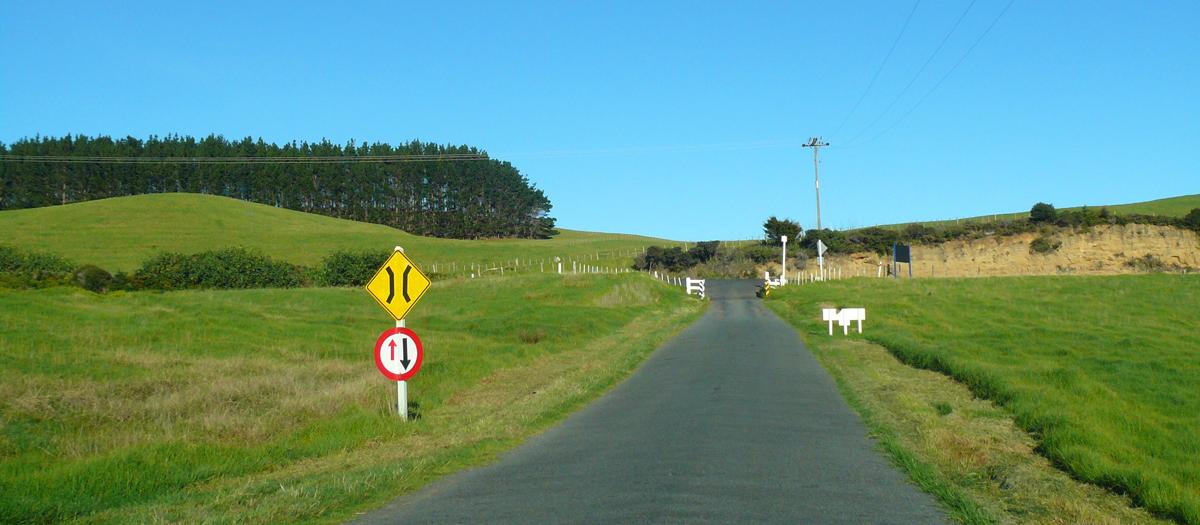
{"x":391,"y":284}
{"x":404,"y":290}
{"x":404,"y":358}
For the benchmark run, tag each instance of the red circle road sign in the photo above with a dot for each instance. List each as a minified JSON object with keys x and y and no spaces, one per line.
{"x":398,"y":354}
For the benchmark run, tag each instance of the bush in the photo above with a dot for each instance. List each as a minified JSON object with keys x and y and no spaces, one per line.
{"x":872,"y":239}
{"x":919,"y":233}
{"x":1042,"y":213}
{"x":833,"y":239}
{"x":675,"y":259}
{"x":1147,"y":263}
{"x":1084,"y":217}
{"x":348,"y":268}
{"x":1044,"y":244}
{"x":1191,"y":221}
{"x":30,"y":263}
{"x":760,"y":253}
{"x":227,"y":268}
{"x":93,"y":278}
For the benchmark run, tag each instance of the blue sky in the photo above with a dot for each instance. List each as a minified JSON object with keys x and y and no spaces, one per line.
{"x":673,"y":119}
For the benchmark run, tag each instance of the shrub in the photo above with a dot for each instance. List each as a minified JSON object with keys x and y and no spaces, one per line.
{"x":1042,"y":213}
{"x":877,"y":240}
{"x":1191,"y":221}
{"x":833,"y":239}
{"x":675,"y":259}
{"x":227,"y":268}
{"x":33,"y":264}
{"x":93,"y":278}
{"x":1084,"y":217}
{"x":1147,"y":263}
{"x":760,"y":253}
{"x":919,"y":233}
{"x":1044,"y":244}
{"x":349,"y":268}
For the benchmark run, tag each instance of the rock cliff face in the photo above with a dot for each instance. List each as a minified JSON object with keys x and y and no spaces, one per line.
{"x":1102,"y":251}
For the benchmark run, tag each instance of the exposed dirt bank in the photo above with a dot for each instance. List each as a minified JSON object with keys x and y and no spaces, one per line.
{"x":1104,"y":250}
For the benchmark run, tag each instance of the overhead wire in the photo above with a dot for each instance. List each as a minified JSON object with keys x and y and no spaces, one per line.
{"x":945,"y":76}
{"x":878,"y":70}
{"x":914,"y":78}
{"x":679,"y":148}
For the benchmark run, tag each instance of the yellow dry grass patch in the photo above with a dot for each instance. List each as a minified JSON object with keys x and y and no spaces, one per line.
{"x":627,"y":294}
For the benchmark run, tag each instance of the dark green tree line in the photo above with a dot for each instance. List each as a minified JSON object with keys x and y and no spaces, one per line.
{"x":445,"y":198}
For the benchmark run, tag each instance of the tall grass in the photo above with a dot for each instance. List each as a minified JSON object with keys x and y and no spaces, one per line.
{"x":1103,"y":371}
{"x":265,"y":405}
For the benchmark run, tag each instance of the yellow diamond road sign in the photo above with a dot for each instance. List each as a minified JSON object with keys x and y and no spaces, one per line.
{"x":398,"y":285}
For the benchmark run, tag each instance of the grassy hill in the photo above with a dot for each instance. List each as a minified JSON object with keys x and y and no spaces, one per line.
{"x":1103,"y":371}
{"x":1171,"y":206}
{"x":119,"y":233}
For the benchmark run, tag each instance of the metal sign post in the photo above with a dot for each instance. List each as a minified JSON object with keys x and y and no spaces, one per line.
{"x":402,"y":388}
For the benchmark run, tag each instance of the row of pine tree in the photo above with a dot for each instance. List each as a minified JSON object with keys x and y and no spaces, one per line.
{"x":456,"y":198}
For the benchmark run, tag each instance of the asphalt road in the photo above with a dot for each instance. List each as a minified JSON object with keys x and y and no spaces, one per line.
{"x":731,"y":421}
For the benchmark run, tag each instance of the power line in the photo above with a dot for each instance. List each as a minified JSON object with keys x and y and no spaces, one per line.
{"x":878,"y":70}
{"x":918,"y":74}
{"x":680,"y":148}
{"x":947,"y":75}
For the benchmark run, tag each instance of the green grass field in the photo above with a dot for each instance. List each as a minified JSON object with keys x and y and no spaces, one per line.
{"x":1171,"y":206}
{"x":264,"y":406}
{"x":118,"y":234}
{"x":1103,"y":372}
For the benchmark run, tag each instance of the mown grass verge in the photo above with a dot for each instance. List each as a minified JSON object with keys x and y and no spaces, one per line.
{"x":264,"y":406}
{"x":1099,"y":375}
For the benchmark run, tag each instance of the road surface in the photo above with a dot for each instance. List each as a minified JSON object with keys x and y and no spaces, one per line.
{"x":731,"y":421}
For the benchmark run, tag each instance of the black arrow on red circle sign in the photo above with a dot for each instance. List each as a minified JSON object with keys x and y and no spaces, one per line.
{"x":404,"y":360}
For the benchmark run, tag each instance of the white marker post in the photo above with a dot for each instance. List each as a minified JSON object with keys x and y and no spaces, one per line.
{"x":783,"y":262}
{"x":821,"y":258}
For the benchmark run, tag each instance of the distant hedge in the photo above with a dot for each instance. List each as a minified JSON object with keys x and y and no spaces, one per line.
{"x":21,"y":268}
{"x":36,"y":264}
{"x":226,"y":268}
{"x":350,"y":268}
{"x":218,"y":269}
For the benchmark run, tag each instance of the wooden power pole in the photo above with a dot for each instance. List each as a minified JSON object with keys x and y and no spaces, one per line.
{"x":816,"y":144}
